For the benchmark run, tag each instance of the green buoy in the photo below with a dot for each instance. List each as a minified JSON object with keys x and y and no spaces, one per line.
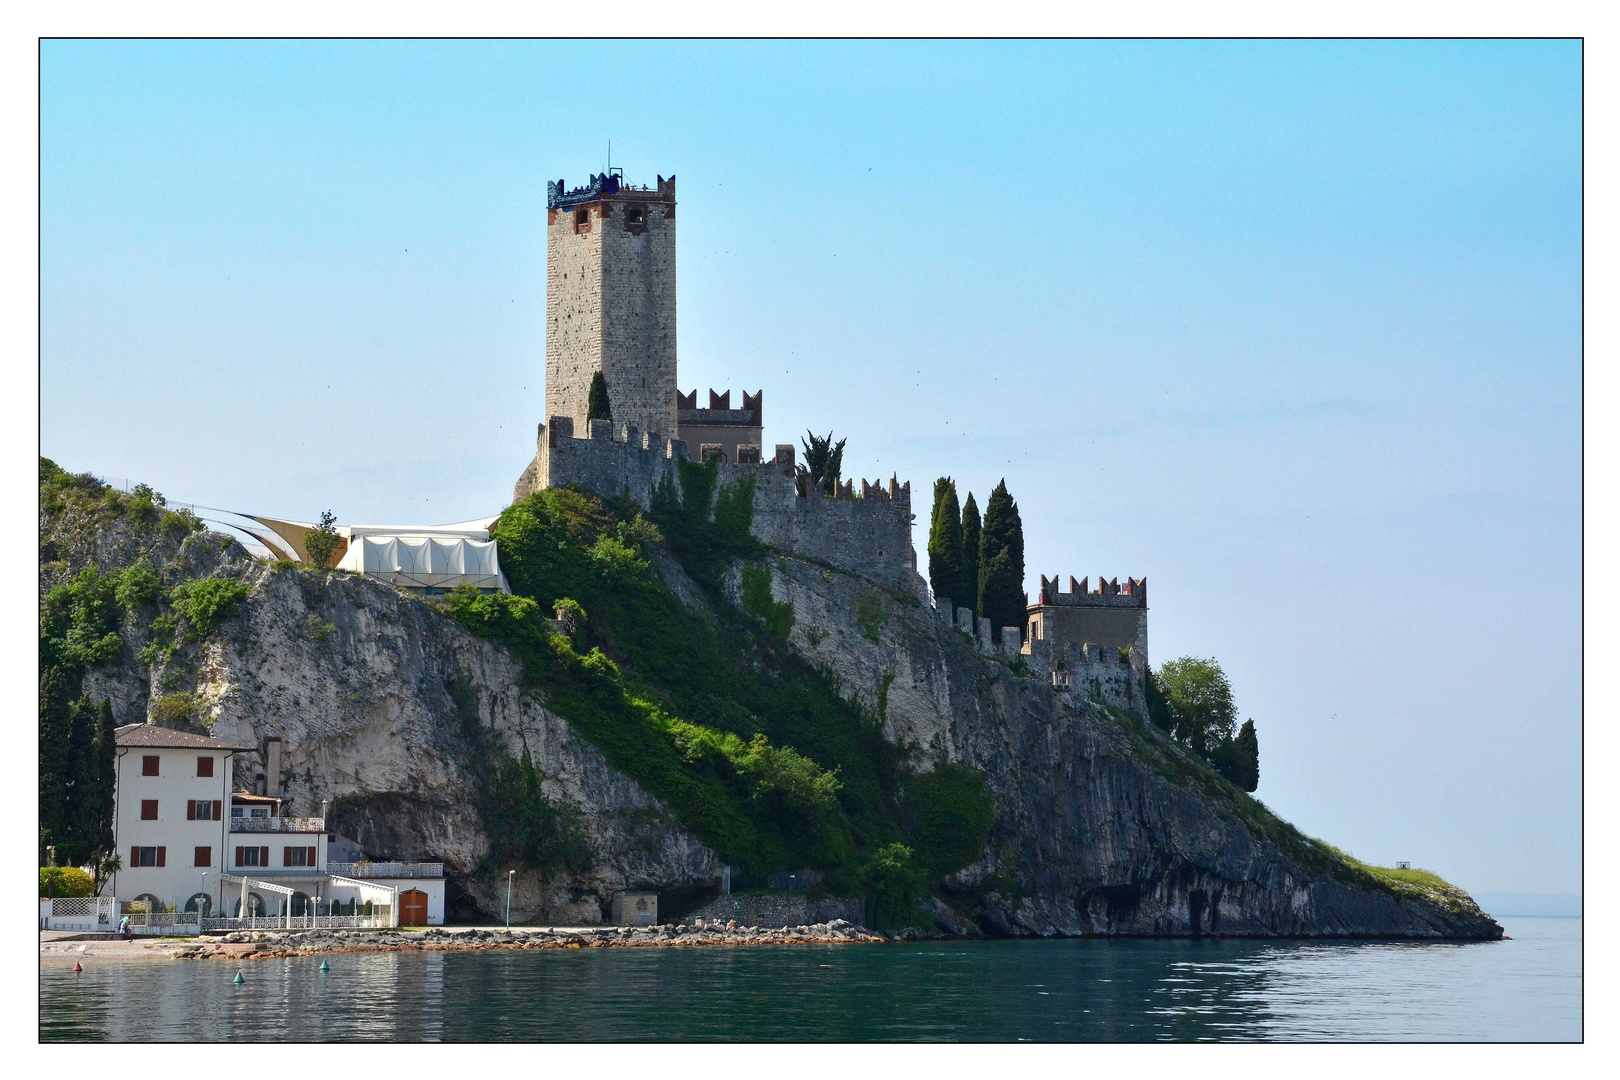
{"x":324,"y":967}
{"x":239,"y":978}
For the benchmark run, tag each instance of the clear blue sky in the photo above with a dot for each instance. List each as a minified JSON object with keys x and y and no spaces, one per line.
{"x":1291,"y":329}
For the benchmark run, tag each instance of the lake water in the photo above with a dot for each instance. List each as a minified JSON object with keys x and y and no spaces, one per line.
{"x":1528,"y":988}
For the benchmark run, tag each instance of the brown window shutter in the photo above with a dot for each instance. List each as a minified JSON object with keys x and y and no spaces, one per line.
{"x":286,"y":856}
{"x":160,"y":856}
{"x":311,"y":857}
{"x":264,"y":856}
{"x":191,"y":809}
{"x":216,"y":809}
{"x":134,"y":856}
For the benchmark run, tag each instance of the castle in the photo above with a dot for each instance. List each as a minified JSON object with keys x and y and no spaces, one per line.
{"x":610,"y":309}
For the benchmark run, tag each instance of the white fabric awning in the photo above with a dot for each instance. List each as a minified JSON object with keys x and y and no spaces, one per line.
{"x":425,"y":561}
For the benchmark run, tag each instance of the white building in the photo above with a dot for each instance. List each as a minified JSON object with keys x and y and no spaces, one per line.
{"x":191,"y":844}
{"x":170,"y":820}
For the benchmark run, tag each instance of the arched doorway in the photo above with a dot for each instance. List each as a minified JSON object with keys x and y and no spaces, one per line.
{"x":147,"y":903}
{"x":413,"y":908}
{"x":201,"y":902}
{"x":255,"y":906}
{"x":300,"y":903}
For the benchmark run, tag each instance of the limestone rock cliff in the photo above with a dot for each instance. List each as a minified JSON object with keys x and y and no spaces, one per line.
{"x":1103,"y":825}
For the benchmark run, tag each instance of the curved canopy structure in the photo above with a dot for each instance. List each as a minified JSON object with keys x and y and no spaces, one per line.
{"x":425,"y":560}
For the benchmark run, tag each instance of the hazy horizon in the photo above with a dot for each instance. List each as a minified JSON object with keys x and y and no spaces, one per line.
{"x":1292,"y":329}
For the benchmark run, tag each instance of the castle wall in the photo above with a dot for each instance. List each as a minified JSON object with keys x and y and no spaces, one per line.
{"x":868,"y":535}
{"x":1107,"y":627}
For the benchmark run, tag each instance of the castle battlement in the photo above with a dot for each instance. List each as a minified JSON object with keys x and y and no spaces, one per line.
{"x":1109,"y":593}
{"x":868,"y":534}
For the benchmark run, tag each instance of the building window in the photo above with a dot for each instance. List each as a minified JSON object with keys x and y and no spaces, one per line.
{"x":252,"y":856}
{"x":202,"y":856}
{"x":202,"y":809}
{"x":711,"y":451}
{"x":636,"y":215}
{"x":146,"y":856}
{"x":747,"y":455}
{"x":205,"y":766}
{"x":298,"y":856}
{"x":149,"y":765}
{"x":148,"y":809}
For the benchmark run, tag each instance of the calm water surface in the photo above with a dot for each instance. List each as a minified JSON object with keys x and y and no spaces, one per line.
{"x":1525,"y":989}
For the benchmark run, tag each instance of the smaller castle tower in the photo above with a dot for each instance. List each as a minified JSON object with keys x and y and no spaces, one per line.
{"x":1108,"y":620}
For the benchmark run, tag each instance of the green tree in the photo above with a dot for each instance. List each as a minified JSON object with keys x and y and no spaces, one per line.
{"x":321,"y":541}
{"x":1001,"y":563}
{"x":55,"y":731}
{"x":598,"y":407}
{"x":1245,"y":768}
{"x":894,"y":882}
{"x":81,"y":802}
{"x":1199,"y":698}
{"x":823,"y":464}
{"x":945,"y":564}
{"x":106,"y":751}
{"x":971,"y":528}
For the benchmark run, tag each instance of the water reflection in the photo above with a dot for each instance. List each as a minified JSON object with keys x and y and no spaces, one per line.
{"x":1528,"y":988}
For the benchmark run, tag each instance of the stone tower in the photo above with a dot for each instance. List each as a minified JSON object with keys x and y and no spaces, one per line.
{"x":610,"y":301}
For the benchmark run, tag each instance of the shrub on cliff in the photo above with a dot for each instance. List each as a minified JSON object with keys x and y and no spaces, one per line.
{"x":947,"y":814}
{"x":207,"y":602}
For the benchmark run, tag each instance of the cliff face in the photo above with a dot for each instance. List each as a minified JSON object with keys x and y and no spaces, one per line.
{"x":1103,"y":825}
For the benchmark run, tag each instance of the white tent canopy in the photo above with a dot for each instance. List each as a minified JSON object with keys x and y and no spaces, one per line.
{"x":417,"y":558}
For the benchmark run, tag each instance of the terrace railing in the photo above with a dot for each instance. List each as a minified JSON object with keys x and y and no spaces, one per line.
{"x":278,"y":824}
{"x":387,"y":869}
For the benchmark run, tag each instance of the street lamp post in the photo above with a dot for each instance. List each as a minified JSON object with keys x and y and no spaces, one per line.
{"x":510,"y":874}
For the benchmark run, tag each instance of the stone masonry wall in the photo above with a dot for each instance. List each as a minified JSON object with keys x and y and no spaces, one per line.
{"x":868,"y":535}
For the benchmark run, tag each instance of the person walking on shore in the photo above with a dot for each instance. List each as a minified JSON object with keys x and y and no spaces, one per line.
{"x":123,"y":927}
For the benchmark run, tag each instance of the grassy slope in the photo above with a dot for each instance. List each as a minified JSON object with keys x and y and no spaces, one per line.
{"x":751,"y":747}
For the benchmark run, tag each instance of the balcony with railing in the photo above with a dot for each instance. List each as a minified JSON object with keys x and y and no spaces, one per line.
{"x":278,"y":824}
{"x":386,"y":869}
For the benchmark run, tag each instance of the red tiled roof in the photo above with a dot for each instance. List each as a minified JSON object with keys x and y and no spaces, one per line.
{"x":150,"y":735}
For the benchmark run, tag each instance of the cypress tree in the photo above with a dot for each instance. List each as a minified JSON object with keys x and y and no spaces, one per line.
{"x":1246,"y":758}
{"x":1001,"y":563}
{"x":106,"y":749}
{"x":81,"y":805}
{"x":970,"y":553}
{"x":597,"y":406}
{"x":55,"y":729}
{"x":945,"y":546}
